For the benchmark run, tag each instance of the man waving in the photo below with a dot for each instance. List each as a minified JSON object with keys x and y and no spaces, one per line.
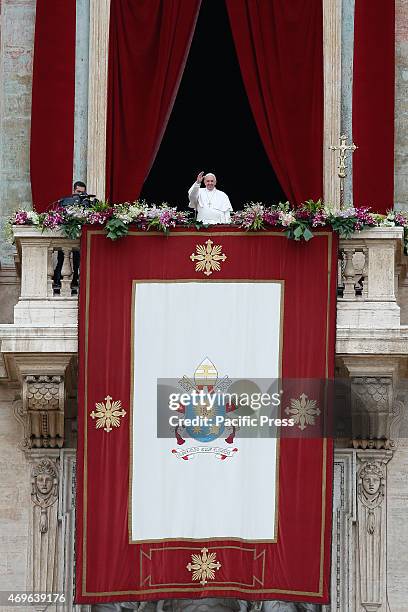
{"x":210,"y":204}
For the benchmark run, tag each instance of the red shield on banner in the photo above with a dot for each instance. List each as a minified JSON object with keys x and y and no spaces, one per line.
{"x":124,"y":288}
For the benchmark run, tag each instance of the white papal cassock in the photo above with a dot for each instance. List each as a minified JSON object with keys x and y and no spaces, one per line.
{"x":212,"y":206}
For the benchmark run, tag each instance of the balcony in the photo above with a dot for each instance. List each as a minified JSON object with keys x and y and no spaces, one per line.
{"x":371,"y":341}
{"x":372,"y":302}
{"x":372,"y":306}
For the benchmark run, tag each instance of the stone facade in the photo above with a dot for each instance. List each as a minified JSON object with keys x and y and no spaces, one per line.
{"x":38,"y":346}
{"x":401,"y":105}
{"x":15,"y":497}
{"x":16,"y":61}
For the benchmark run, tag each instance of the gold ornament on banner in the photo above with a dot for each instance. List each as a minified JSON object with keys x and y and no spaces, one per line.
{"x":108,"y":414}
{"x":204,"y":566}
{"x":208,"y":257}
{"x":303,"y":411}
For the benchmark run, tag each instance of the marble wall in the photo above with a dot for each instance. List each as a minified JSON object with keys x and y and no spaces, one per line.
{"x":16,"y":59}
{"x":401,"y":105}
{"x":397,"y":502}
{"x":15,"y":500}
{"x":397,"y":532}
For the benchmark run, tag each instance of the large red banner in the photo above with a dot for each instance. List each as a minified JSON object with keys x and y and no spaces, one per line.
{"x":111,"y":564}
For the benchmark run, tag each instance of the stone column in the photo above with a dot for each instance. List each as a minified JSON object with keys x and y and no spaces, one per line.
{"x":401,"y":96}
{"x":98,"y":85}
{"x":51,"y":555}
{"x":371,"y":529}
{"x":44,"y":568}
{"x":67,"y":498}
{"x":332,"y":10}
{"x":81,"y":90}
{"x":343,"y":538}
{"x":347,"y":53}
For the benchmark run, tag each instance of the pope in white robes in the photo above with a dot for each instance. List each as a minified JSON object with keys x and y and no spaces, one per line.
{"x":210,"y":204}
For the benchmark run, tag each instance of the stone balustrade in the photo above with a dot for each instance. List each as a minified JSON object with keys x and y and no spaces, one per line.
{"x":46,"y":298}
{"x":370,"y":264}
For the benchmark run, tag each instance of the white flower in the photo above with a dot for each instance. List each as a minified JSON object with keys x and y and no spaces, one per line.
{"x":286,"y":218}
{"x":125,"y":217}
{"x":75,"y":211}
{"x":33,"y":216}
{"x":135,"y":211}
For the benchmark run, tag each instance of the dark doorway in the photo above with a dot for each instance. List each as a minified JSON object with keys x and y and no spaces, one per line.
{"x":211,"y":127}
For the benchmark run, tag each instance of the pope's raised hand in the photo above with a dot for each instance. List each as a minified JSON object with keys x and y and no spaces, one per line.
{"x":200,"y":177}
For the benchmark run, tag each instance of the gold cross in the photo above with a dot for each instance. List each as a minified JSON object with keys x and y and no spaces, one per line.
{"x":343,"y":149}
{"x":208,"y":370}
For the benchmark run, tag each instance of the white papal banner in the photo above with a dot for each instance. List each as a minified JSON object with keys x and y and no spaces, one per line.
{"x":177,"y":325}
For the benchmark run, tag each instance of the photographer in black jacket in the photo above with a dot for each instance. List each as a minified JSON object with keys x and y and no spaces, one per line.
{"x":79,"y":197}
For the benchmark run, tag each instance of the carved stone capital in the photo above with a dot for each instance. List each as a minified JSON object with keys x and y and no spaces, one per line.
{"x":43,"y":403}
{"x":45,"y":400}
{"x":376,"y":400}
{"x":372,"y":407}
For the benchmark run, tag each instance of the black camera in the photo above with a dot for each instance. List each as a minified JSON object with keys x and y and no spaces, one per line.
{"x":78,"y":199}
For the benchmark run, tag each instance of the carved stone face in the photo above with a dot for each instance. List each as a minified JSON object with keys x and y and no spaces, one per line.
{"x":44,"y":483}
{"x":371,"y":483}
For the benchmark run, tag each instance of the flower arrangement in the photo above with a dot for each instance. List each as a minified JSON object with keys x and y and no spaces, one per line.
{"x":298,"y":222}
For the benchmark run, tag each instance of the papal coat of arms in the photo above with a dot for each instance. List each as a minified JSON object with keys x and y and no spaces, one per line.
{"x":207,"y":413}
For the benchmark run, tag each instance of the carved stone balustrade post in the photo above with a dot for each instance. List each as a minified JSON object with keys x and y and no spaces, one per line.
{"x":349,"y":273}
{"x":371,"y":262}
{"x":66,"y":273}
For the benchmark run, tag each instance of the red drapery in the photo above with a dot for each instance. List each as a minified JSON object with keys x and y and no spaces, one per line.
{"x":373,"y":104}
{"x":53,"y":100}
{"x":280,"y":50}
{"x":110,"y":567}
{"x":148,"y":46}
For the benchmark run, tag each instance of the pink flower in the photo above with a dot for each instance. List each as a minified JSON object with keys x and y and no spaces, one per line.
{"x":165,"y":218}
{"x":20,"y":218}
{"x":302,"y":214}
{"x":401,"y":219}
{"x":364,"y":217}
{"x":99,"y":217}
{"x":271,"y":217}
{"x":319,"y":218}
{"x":53,"y":220}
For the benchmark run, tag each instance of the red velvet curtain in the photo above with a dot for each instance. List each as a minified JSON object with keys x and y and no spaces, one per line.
{"x":148,"y":46}
{"x":53,"y":101}
{"x":373,"y":104}
{"x":280,"y":50}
